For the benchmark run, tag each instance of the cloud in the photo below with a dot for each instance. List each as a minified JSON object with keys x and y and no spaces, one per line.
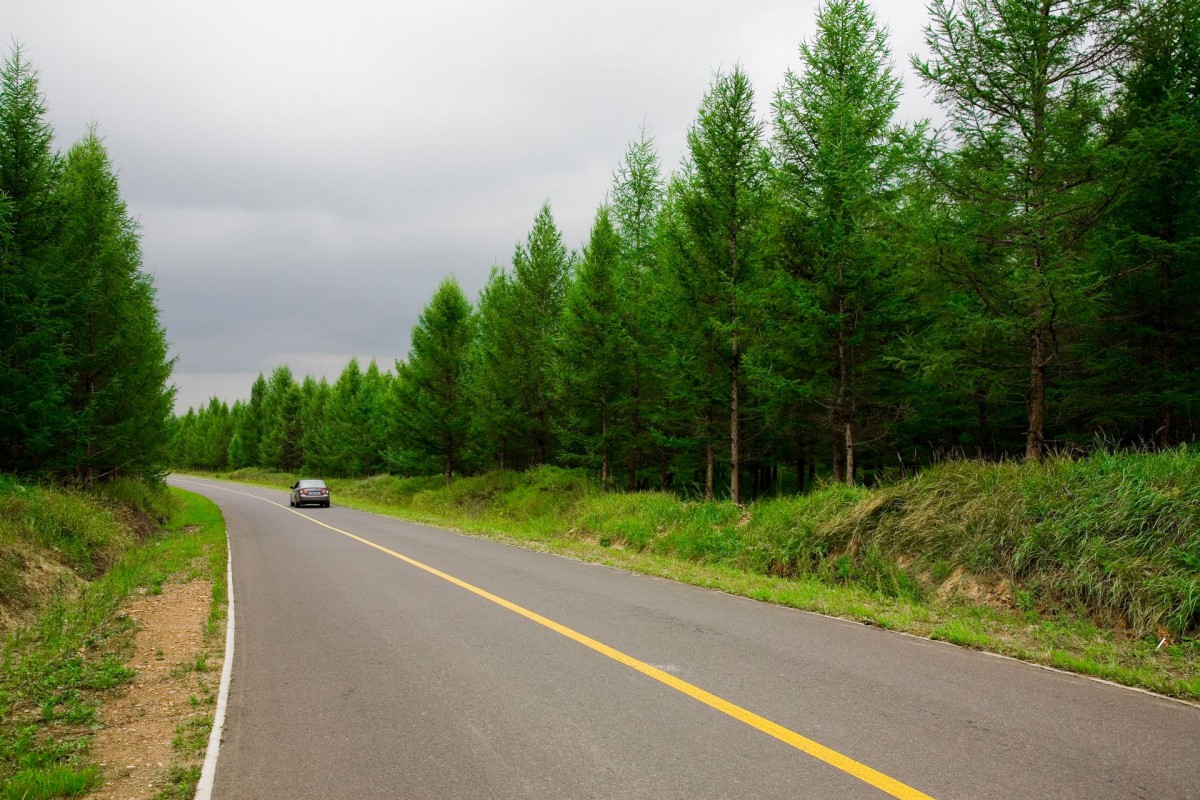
{"x":306,"y":173}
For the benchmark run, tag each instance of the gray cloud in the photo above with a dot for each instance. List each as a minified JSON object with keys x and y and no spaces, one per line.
{"x":306,"y":173}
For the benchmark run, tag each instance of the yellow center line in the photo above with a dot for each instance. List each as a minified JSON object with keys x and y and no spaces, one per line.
{"x":884,"y":783}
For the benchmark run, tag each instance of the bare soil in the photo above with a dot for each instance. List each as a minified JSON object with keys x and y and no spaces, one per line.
{"x":134,"y":748}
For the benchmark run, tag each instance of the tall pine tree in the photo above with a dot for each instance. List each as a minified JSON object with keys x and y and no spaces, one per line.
{"x":715,"y":251}
{"x":432,"y":408}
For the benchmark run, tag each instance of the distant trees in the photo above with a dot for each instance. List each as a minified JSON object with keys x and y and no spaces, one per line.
{"x":825,"y":294}
{"x":84,"y":370}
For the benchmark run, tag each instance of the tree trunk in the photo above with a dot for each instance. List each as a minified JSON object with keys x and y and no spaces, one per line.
{"x":708,"y":470}
{"x":849,"y":454}
{"x":799,"y":474}
{"x":735,"y":430}
{"x":1035,"y":441}
{"x":604,"y":465}
{"x":984,"y":433}
{"x":839,"y":451}
{"x":635,"y":430}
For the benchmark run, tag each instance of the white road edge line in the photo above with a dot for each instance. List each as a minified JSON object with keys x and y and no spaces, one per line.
{"x":209,"y":771}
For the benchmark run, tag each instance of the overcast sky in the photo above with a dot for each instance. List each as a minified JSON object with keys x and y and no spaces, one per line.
{"x":306,"y":173}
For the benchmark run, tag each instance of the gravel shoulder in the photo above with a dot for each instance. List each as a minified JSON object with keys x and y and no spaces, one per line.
{"x":149,"y":725}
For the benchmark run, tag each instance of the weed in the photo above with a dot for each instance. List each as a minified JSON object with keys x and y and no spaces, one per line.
{"x":51,"y":781}
{"x":960,"y":632}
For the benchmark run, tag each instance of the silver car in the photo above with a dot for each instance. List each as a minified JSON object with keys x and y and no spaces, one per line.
{"x":314,"y":493}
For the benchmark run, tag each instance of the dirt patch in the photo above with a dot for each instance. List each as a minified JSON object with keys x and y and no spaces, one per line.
{"x":134,"y":748}
{"x":962,"y":585}
{"x":27,"y":578}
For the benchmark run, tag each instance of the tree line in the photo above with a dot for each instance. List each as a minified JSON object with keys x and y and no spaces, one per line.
{"x":84,"y":371}
{"x":827,"y":291}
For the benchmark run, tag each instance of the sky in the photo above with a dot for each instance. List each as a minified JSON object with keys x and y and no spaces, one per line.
{"x":305,"y":174}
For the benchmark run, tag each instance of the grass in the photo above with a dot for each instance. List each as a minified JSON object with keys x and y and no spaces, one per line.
{"x":55,"y":670}
{"x":1083,"y":564}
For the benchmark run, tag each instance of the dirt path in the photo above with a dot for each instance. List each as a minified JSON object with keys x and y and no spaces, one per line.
{"x":169,"y":696}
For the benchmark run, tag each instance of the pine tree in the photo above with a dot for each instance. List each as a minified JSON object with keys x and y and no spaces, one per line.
{"x":344,"y":434}
{"x":280,"y":446}
{"x":1148,"y":355}
{"x":637,"y":194}
{"x":314,"y":397}
{"x":716,"y":249}
{"x":33,"y":414}
{"x":840,"y":160}
{"x":499,"y":429}
{"x":594,"y":354}
{"x":118,"y":369}
{"x":514,"y":365}
{"x":1024,"y":86}
{"x":431,"y":405}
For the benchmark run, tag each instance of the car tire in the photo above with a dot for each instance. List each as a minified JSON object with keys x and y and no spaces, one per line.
{"x":291,"y":502}
{"x":327,"y":504}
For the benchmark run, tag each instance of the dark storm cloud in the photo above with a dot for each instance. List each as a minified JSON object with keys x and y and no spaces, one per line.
{"x":306,"y":173}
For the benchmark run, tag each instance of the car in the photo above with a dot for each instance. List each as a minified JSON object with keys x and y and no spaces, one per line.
{"x":310,"y":492}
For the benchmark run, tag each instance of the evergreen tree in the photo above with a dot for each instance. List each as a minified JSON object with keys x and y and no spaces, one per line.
{"x":840,"y":159}
{"x":118,"y":395}
{"x":1147,"y":365}
{"x":344,"y":435}
{"x":637,"y":200}
{"x":314,"y":397}
{"x":33,"y":414}
{"x":594,"y":354}
{"x":716,"y":251}
{"x":499,"y":429}
{"x":432,"y":408}
{"x":514,"y":369}
{"x":250,"y":423}
{"x":280,"y":446}
{"x":1024,"y":87}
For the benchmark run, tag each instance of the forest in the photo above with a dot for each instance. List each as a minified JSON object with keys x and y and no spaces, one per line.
{"x":825,"y":293}
{"x":85,"y":390}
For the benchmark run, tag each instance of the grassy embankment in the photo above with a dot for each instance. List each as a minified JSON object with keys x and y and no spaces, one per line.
{"x":1080,"y":564}
{"x":68,"y":561}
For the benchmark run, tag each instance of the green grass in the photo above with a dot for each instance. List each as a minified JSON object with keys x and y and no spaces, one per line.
{"x":55,"y":670}
{"x":1089,"y":558}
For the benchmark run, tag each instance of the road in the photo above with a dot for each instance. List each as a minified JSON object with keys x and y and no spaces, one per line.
{"x":380,"y":659}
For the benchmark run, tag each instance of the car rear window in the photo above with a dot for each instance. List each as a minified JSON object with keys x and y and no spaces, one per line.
{"x":312,"y":484}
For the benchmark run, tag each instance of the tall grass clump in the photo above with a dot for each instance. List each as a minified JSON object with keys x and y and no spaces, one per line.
{"x":1117,"y":535}
{"x":71,"y":526}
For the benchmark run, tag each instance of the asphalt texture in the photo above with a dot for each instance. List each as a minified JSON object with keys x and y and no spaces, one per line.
{"x":359,"y":675}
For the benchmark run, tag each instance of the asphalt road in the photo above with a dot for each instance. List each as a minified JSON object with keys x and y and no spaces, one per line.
{"x":360,"y":673}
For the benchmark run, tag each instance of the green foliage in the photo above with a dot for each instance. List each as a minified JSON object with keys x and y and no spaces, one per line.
{"x":513,"y":361}
{"x":32,"y":361}
{"x":840,"y":298}
{"x":118,"y":393}
{"x":1024,"y":87}
{"x":431,"y":404}
{"x":593,"y":348}
{"x":84,"y":372}
{"x":713,"y":237}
